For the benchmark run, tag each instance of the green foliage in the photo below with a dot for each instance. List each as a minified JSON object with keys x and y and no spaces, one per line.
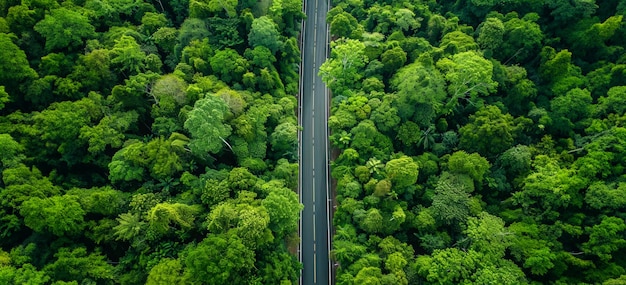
{"x":490,"y":34}
{"x":15,"y":67}
{"x":402,"y":172}
{"x":127,"y":56}
{"x":468,"y":75}
{"x":283,"y":208}
{"x":219,"y":259}
{"x":421,"y":93}
{"x":523,"y":38}
{"x":4,"y":97}
{"x":65,"y":29}
{"x":206,"y":125}
{"x":344,"y":68}
{"x":605,"y":238}
{"x":124,"y":124}
{"x":489,"y":132}
{"x":472,"y":165}
{"x":80,"y":265}
{"x":163,"y":216}
{"x":168,"y":271}
{"x":60,"y":215}
{"x":264,"y":32}
{"x":130,"y":130}
{"x":229,"y":65}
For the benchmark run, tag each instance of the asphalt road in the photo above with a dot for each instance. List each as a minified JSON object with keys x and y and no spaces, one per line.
{"x":314,"y":185}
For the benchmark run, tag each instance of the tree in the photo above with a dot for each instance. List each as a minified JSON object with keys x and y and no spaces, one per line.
{"x":488,"y":235}
{"x":406,"y":20}
{"x":468,"y":75}
{"x":93,"y":70}
{"x":65,"y":29}
{"x":78,"y":264}
{"x":130,"y":226}
{"x":127,"y":55}
{"x":229,"y":65}
{"x":344,"y":25}
{"x":564,"y":12}
{"x":261,"y":57}
{"x":252,"y":226}
{"x":15,"y":67}
{"x":448,"y":266}
{"x":393,"y":59}
{"x":224,"y":32}
{"x":548,"y":188}
{"x":345,"y":67}
{"x":452,"y":203}
{"x":22,"y":183}
{"x":421,"y":92}
{"x":456,"y":42}
{"x":60,"y":215}
{"x":206,"y":125}
{"x":575,"y":105}
{"x":191,"y":29}
{"x":385,"y":115}
{"x":409,"y":134}
{"x":278,"y":267}
{"x":516,"y":161}
{"x":10,"y":152}
{"x":559,"y":71}
{"x":284,"y":140}
{"x":402,"y":172}
{"x":613,"y":102}
{"x":264,"y":32}
{"x":167,"y":271}
{"x":489,"y":132}
{"x":283,"y":208}
{"x":128,"y":163}
{"x":151,"y":22}
{"x":606,"y":238}
{"x":368,"y":142}
{"x":163,"y":215}
{"x":4,"y":97}
{"x":490,"y":34}
{"x":473,"y":165}
{"x":26,"y":274}
{"x":109,"y":131}
{"x":522,"y":39}
{"x":213,"y":6}
{"x":601,"y":196}
{"x":369,"y":276}
{"x":219,"y":259}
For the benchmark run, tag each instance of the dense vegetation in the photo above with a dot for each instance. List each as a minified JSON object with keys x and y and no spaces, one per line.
{"x":479,"y":141}
{"x":148,"y":141}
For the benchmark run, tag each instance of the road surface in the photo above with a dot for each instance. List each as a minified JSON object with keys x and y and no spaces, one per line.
{"x":314,"y":186}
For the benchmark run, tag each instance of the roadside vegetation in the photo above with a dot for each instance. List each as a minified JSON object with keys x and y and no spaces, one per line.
{"x":148,"y":142}
{"x":480,"y":142}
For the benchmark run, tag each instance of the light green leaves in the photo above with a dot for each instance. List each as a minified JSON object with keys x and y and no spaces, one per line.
{"x":206,"y":125}
{"x":264,"y":32}
{"x":60,"y":215}
{"x":65,"y":28}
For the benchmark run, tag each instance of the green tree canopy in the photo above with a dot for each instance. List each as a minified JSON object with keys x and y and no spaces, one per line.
{"x":219,"y":259}
{"x":206,"y":125}
{"x":264,"y":32}
{"x":65,"y":29}
{"x":60,"y":215}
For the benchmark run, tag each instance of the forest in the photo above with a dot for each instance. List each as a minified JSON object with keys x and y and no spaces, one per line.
{"x":478,"y":141}
{"x":149,"y":142}
{"x":155,"y":142}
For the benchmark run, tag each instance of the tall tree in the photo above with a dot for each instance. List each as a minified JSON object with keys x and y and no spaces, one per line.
{"x":264,"y":32}
{"x":207,"y":126}
{"x":65,"y":29}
